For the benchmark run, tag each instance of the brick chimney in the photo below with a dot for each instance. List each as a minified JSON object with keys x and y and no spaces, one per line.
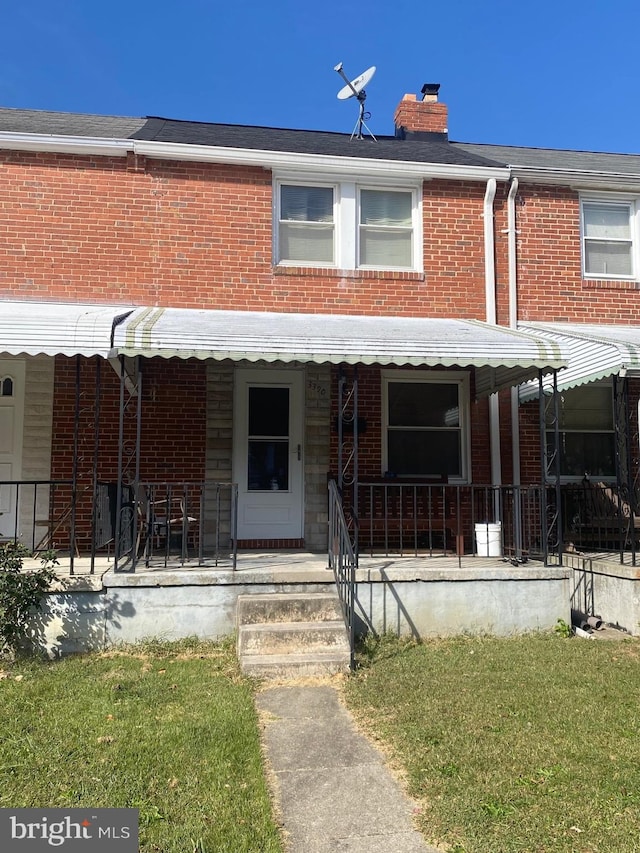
{"x":426,"y":115}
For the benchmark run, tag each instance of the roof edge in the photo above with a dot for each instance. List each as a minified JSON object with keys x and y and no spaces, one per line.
{"x":264,"y":158}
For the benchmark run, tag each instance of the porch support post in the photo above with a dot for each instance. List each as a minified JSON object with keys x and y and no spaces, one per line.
{"x":356,"y":474}
{"x":96,"y":456}
{"x":136,"y":487}
{"x":348,"y":457}
{"x":624,"y":465}
{"x":551,"y":509}
{"x":118,"y":532}
{"x":74,"y":476}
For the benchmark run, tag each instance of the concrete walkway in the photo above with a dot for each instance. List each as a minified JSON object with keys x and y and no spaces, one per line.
{"x":334,"y":792}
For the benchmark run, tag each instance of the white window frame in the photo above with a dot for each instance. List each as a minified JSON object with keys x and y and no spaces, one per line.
{"x":360,"y":227}
{"x":435,"y":377}
{"x":277,"y":220}
{"x":346,"y":213}
{"x":613,"y":200}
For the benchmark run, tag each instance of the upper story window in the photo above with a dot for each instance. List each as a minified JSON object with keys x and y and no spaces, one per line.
{"x":306,"y":229}
{"x":347,"y":225}
{"x":386,"y":228}
{"x":609,"y":239}
{"x":426,"y":430}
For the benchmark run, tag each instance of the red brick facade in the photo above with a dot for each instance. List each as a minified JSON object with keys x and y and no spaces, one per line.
{"x":138,"y":231}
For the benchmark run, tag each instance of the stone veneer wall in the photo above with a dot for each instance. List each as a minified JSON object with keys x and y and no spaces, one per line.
{"x":219,"y":445}
{"x":219,"y":441}
{"x":316,"y":455}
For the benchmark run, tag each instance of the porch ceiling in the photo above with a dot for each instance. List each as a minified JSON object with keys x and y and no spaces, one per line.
{"x":55,"y":328}
{"x":593,"y":351}
{"x":501,"y":357}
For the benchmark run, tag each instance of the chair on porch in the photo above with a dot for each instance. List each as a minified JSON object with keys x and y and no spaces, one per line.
{"x":163,"y":521}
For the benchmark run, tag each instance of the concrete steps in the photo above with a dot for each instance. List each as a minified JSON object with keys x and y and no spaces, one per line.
{"x":288,"y":635}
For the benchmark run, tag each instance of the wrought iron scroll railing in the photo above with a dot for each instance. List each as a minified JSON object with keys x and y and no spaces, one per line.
{"x":343,"y":562}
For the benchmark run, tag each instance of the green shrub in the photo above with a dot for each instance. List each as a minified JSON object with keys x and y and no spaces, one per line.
{"x":20,"y":592}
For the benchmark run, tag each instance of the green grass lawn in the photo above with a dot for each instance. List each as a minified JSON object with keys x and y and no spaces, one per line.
{"x":527,"y":744}
{"x":170,"y":730}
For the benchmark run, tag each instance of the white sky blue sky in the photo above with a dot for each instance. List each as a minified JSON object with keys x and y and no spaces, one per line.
{"x":560,"y":74}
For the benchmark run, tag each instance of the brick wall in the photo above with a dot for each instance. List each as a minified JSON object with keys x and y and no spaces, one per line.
{"x":550,"y":283}
{"x":200,"y":235}
{"x":370,"y":440}
{"x":173,"y":433}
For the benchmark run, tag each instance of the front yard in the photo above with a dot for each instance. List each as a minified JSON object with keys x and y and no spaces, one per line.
{"x":170,"y":730}
{"x":529,"y":744}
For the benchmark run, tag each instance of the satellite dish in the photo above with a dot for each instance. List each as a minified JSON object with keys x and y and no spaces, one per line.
{"x":355,"y":88}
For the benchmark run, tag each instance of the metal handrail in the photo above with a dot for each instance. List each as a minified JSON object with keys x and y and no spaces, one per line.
{"x":343,"y":561}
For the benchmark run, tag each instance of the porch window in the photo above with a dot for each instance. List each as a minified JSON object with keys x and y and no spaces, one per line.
{"x":607,"y":239}
{"x":426,"y":425}
{"x":587,"y":438}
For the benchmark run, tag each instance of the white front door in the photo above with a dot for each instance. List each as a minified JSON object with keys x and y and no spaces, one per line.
{"x":12,"y":378}
{"x":267,"y":453}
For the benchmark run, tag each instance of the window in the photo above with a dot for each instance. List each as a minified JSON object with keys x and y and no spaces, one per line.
{"x":426,"y":432}
{"x":268,"y":466}
{"x":607,"y":233}
{"x":386,"y":228}
{"x":347,"y":226}
{"x":306,"y":232}
{"x":587,"y":440}
{"x":6,"y":387}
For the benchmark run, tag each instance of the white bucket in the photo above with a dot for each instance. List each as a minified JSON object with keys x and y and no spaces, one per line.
{"x":489,"y":540}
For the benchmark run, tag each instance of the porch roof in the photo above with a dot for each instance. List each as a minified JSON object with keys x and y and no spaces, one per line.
{"x":502,"y":357}
{"x":55,"y":328}
{"x":593,"y":352}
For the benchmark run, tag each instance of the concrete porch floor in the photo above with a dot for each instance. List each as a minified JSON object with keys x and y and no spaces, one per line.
{"x":284,"y":568}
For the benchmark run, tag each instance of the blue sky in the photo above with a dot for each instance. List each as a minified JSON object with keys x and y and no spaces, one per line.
{"x":559,"y":74}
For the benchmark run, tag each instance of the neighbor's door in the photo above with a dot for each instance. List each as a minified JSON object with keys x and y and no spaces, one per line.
{"x":12,"y":378}
{"x":268,"y":463}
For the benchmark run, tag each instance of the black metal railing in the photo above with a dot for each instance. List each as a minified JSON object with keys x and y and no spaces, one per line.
{"x":410,"y":518}
{"x":163,"y":524}
{"x":343,"y":562}
{"x":601,"y":517}
{"x":40,"y":514}
{"x":159,"y":522}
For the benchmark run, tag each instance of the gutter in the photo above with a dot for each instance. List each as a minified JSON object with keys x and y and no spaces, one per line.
{"x":491,"y":315}
{"x":576,"y":178}
{"x":513,"y":321}
{"x":331,"y":164}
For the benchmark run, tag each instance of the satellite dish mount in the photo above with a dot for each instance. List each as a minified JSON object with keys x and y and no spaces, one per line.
{"x":355,"y":88}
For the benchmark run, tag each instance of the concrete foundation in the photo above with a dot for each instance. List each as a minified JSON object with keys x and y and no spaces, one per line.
{"x":404,"y":597}
{"x":606,"y":589}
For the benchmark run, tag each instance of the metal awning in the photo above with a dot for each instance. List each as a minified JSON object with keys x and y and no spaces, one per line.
{"x":593,"y":351}
{"x":56,"y":328}
{"x":501,"y":357}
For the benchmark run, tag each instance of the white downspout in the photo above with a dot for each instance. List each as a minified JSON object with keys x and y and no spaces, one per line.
{"x":490,"y":297}
{"x":513,"y":320}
